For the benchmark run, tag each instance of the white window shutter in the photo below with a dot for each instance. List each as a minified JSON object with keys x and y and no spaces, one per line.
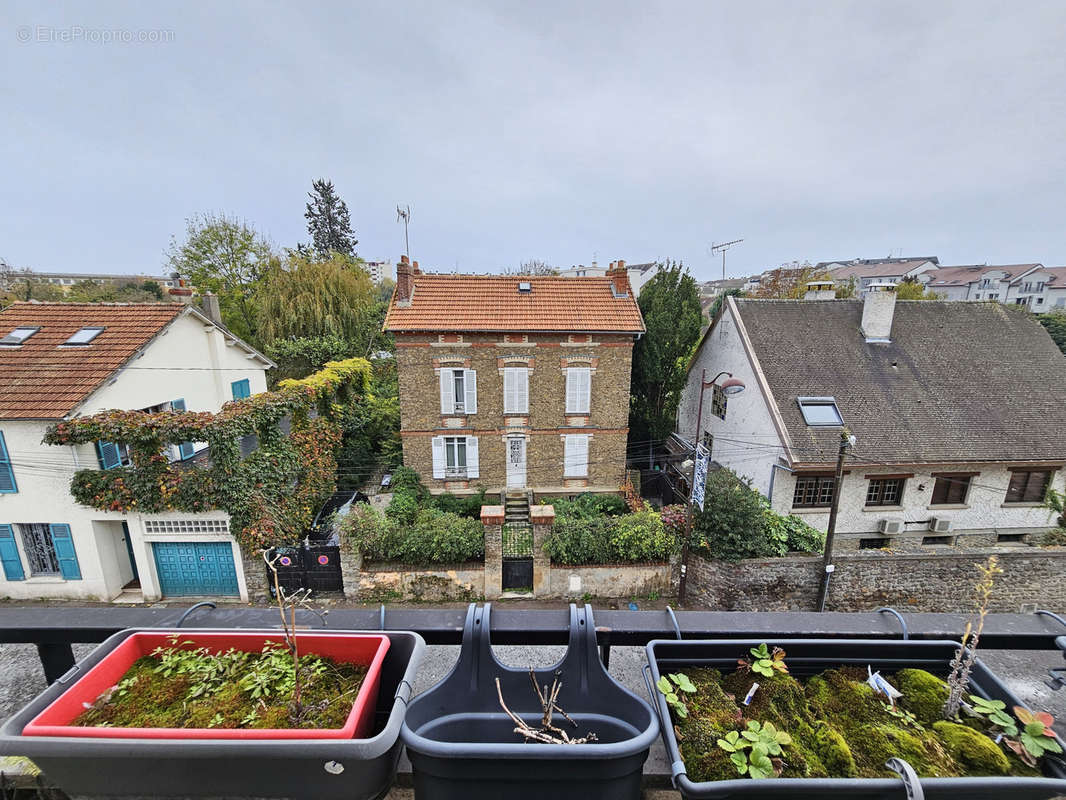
{"x":472,"y":470}
{"x":438,"y":455}
{"x":471,"y":391}
{"x":521,"y":392}
{"x":447,"y":392}
{"x":571,"y":394}
{"x":585,"y":395}
{"x":578,"y":390}
{"x":509,"y":404}
{"x":581,"y":456}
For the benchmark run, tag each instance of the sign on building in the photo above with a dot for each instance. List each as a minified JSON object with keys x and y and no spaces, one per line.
{"x":699,"y":474}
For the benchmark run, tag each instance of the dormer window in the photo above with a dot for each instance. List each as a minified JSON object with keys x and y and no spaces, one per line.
{"x":84,"y":336}
{"x":820,"y":412}
{"x":19,"y":335}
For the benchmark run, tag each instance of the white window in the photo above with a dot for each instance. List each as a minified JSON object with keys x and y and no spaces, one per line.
{"x":19,"y":335}
{"x":515,"y":390}
{"x":458,"y":391}
{"x":576,"y":457}
{"x":455,"y":457}
{"x":820,"y":412}
{"x":84,"y":336}
{"x":578,"y":390}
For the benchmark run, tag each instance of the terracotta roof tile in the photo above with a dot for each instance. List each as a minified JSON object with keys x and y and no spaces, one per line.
{"x":40,"y":379}
{"x":493,"y":303}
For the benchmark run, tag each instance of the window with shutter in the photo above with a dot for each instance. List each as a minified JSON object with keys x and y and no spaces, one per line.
{"x":1028,"y":486}
{"x":9,"y":555}
{"x":472,"y":467}
{"x":950,"y":489}
{"x":241,"y":389}
{"x":63,"y":542}
{"x":576,"y":456}
{"x":185,"y":449}
{"x":578,"y":390}
{"x":447,"y":392}
{"x":515,"y":390}
{"x":7,"y":474}
{"x":470,"y":377}
{"x":438,"y":457}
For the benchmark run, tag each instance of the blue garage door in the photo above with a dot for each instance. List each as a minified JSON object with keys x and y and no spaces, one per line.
{"x":196,"y":568}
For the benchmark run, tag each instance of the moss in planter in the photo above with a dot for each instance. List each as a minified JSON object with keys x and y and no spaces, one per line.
{"x":975,"y":751}
{"x":833,"y":751}
{"x":154,"y":700}
{"x":711,"y":714}
{"x":924,"y":694}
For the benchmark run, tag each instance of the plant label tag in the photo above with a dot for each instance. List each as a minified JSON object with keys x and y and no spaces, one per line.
{"x":750,"y":694}
{"x":999,"y":738}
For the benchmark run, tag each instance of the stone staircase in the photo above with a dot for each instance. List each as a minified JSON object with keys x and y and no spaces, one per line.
{"x":516,"y":506}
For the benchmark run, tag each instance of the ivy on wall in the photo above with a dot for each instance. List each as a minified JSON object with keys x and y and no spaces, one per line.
{"x":271,"y":495}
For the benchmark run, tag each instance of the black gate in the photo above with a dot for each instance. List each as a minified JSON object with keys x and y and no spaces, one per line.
{"x":517,"y":557}
{"x":317,"y":568}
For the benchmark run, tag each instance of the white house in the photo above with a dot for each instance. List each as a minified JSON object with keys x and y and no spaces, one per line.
{"x":987,"y":282}
{"x":952,"y":438}
{"x":866,"y":271}
{"x":639,"y":274}
{"x":61,"y":360}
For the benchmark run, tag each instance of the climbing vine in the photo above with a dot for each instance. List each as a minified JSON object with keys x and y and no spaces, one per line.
{"x":270,"y":495}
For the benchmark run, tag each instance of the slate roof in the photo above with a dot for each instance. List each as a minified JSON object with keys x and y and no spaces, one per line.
{"x":878,"y":269}
{"x":960,"y":382}
{"x":493,"y":303}
{"x":41,"y":379}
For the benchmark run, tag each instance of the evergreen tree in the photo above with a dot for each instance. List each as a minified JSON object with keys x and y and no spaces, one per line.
{"x":670,"y":304}
{"x":328,"y":221}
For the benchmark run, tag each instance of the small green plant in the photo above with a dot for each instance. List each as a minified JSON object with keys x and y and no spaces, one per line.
{"x":764,"y":661}
{"x":670,"y":685}
{"x":904,"y":716}
{"x":1036,"y":737}
{"x":995,"y":711}
{"x":751,"y":748}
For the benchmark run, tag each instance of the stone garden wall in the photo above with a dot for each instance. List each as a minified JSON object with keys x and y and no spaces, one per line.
{"x":940,"y":580}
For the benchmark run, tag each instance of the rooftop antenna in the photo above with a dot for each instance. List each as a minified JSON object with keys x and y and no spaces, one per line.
{"x":721,"y":248}
{"x":404,"y":213}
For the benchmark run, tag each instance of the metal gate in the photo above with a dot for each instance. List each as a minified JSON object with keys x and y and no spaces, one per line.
{"x":315,"y":567}
{"x":517,"y":557}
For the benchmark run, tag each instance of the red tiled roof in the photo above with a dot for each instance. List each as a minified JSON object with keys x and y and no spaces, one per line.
{"x":42,"y":380}
{"x":493,"y":303}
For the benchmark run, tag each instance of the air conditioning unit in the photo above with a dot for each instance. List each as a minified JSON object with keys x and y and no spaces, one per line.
{"x":939,"y":525}
{"x":891,"y":525}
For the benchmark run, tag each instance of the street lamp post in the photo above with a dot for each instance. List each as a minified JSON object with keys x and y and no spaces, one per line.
{"x":730,"y":386}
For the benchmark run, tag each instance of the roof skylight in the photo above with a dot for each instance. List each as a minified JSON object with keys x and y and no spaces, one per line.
{"x":84,"y":336}
{"x":19,"y":335}
{"x":820,"y":412}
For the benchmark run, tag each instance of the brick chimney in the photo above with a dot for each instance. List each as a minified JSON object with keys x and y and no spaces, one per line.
{"x":878,"y":308}
{"x":619,"y":278}
{"x":209,"y":305}
{"x":405,"y":281}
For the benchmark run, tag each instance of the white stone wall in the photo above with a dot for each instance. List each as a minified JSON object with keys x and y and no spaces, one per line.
{"x":983,"y":510}
{"x":746,"y":440}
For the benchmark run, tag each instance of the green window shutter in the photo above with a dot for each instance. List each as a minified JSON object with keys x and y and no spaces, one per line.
{"x":9,"y":555}
{"x":108,"y":455}
{"x":241,"y":389}
{"x":63,"y":542}
{"x":7,"y":475}
{"x":185,"y":449}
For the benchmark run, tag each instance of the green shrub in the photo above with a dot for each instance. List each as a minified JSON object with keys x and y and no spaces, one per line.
{"x":640,"y":537}
{"x":801,"y":537}
{"x":466,"y":506}
{"x":403,"y":507}
{"x":434,"y":537}
{"x":732,"y":525}
{"x":588,"y":505}
{"x":579,"y":541}
{"x":406,"y":479}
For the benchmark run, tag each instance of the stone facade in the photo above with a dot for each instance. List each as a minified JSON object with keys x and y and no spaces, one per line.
{"x":940,"y":581}
{"x":420,"y":357}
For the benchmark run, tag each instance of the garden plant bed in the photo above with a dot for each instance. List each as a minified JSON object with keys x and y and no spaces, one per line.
{"x":821,"y":729}
{"x":216,"y":685}
{"x":176,"y":688}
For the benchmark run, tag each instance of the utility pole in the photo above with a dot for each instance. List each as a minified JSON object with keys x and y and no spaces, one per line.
{"x":721,"y":248}
{"x":846,"y":441}
{"x":404,"y":213}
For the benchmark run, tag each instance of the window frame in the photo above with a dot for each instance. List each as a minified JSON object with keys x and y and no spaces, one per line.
{"x":519,"y":379}
{"x":97,"y":331}
{"x":951,"y":480}
{"x":42,"y":532}
{"x":819,"y":402}
{"x":878,"y":494}
{"x":586,"y":399}
{"x":451,"y":454}
{"x":1025,"y":496}
{"x":819,"y":490}
{"x":572,"y":468}
{"x":11,"y":340}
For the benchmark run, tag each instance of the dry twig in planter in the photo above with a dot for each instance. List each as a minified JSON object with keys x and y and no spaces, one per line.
{"x":547,"y":697}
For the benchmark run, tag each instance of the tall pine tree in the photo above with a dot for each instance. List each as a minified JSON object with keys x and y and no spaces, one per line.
{"x":328,"y":221}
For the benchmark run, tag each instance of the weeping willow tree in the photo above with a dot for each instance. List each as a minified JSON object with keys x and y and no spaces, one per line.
{"x":331,"y":299}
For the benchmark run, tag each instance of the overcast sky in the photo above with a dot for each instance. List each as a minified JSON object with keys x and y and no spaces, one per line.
{"x":518,"y":130}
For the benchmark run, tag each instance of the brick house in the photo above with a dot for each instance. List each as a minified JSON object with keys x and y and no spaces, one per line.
{"x":513,"y":381}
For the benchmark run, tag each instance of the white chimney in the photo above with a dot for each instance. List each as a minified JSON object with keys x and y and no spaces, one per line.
{"x":820,"y":290}
{"x":878,"y":307}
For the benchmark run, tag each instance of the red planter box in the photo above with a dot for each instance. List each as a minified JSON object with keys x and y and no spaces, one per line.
{"x":352,"y":648}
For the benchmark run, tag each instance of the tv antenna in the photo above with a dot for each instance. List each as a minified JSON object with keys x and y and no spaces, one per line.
{"x":721,"y":248}
{"x":404,"y":213}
